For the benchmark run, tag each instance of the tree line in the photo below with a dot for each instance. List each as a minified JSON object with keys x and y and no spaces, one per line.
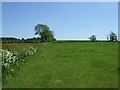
{"x":15,"y":40}
{"x":47,"y":35}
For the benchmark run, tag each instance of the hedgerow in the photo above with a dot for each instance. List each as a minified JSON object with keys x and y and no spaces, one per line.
{"x":13,"y":53}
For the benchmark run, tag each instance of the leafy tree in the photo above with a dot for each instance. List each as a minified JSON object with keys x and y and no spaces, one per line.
{"x":47,"y":35}
{"x":45,"y":32}
{"x":92,"y":38}
{"x":113,"y":36}
{"x":39,"y":28}
{"x":54,"y":39}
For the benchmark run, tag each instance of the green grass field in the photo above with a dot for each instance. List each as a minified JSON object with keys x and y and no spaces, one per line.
{"x":69,"y":65}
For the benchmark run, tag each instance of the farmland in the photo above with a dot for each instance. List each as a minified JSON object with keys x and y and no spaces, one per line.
{"x":66,"y":65}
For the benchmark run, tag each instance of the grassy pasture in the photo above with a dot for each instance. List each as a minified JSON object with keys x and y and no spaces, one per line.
{"x":69,"y":65}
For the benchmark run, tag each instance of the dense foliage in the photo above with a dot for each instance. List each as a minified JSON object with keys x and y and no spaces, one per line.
{"x":28,"y":40}
{"x":93,"y":38}
{"x":14,"y":53}
{"x":113,"y":36}
{"x":15,"y":40}
{"x":44,"y":32}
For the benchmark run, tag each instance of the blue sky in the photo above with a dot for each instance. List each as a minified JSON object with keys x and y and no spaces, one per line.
{"x":68,"y":20}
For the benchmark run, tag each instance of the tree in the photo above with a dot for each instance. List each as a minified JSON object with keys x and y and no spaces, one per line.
{"x":113,"y":36}
{"x":22,"y":40}
{"x":39,"y":28}
{"x":47,"y":36}
{"x":107,"y":37}
{"x":45,"y":32}
{"x":93,"y":38}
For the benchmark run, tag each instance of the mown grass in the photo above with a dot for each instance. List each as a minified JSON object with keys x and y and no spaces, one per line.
{"x":69,"y":65}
